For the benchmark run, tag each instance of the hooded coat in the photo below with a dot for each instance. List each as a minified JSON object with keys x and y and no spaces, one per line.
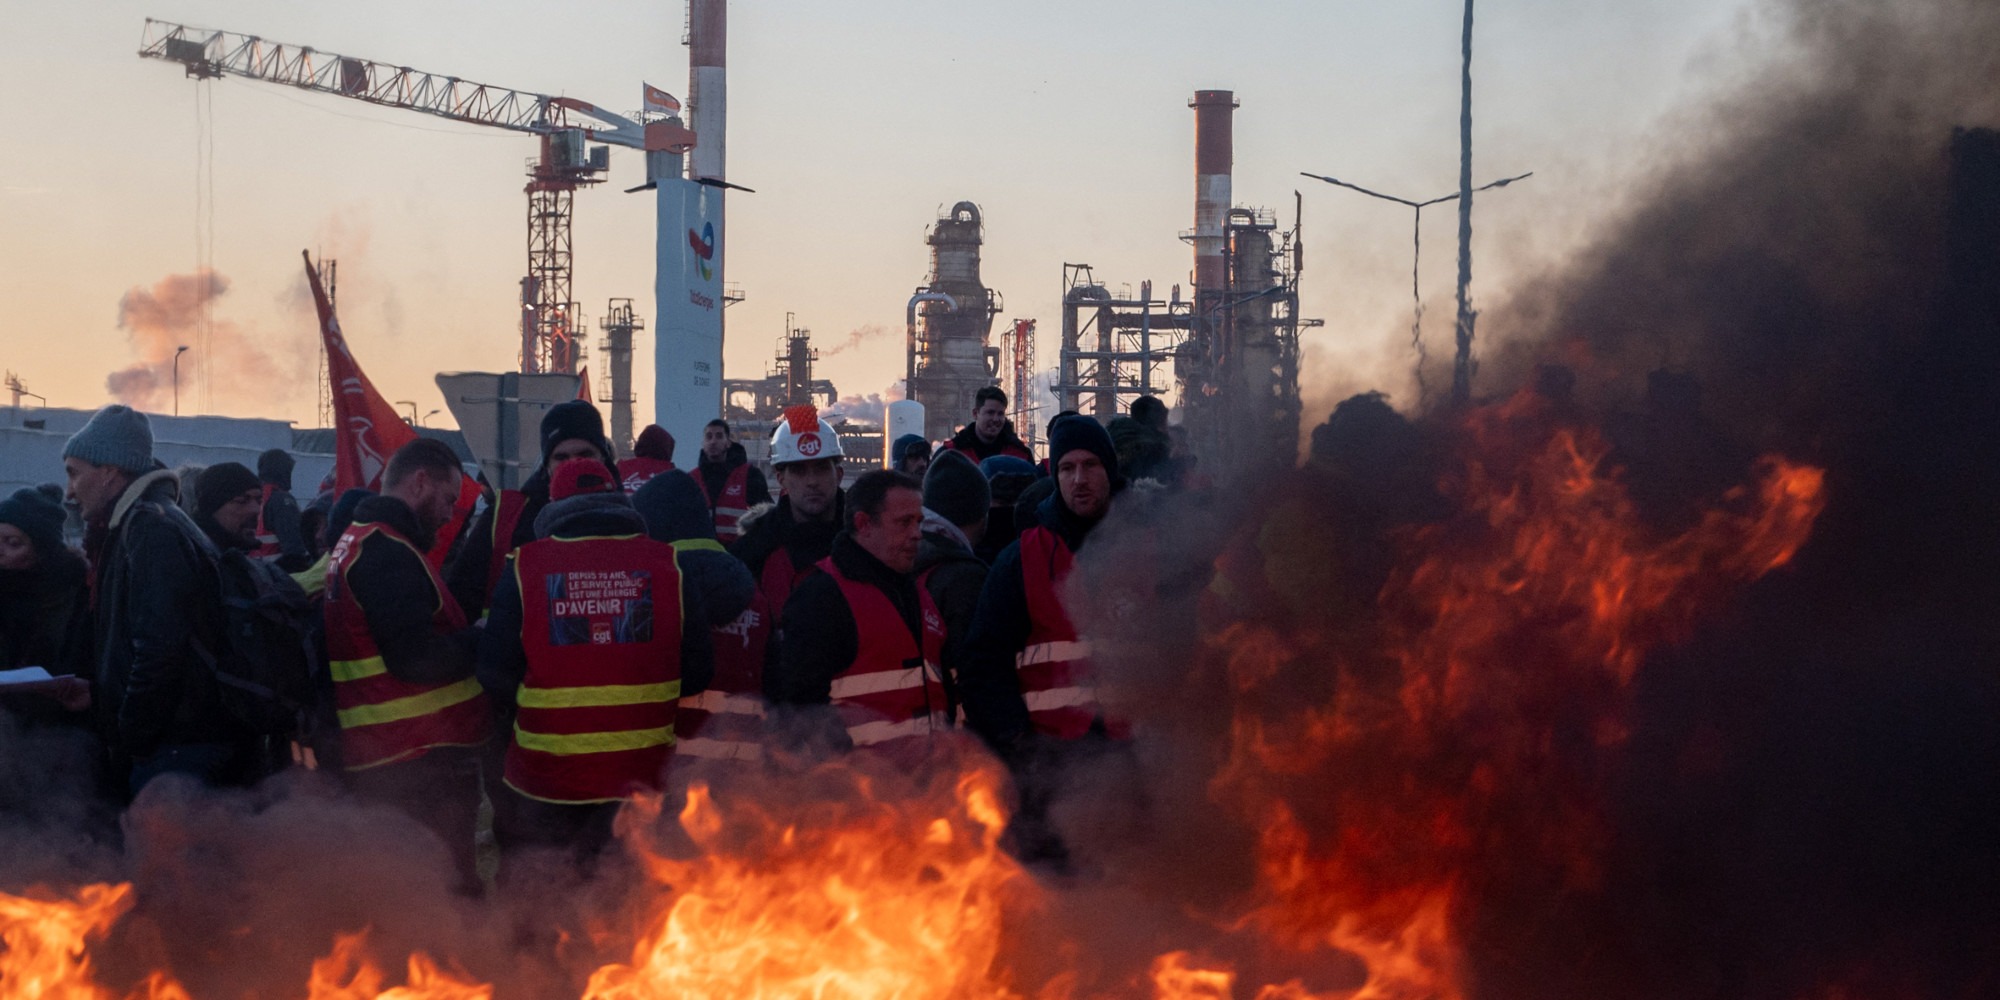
{"x":966,"y":442}
{"x":954,"y":576}
{"x":713,"y":475}
{"x":466,"y":576}
{"x":675,"y":512}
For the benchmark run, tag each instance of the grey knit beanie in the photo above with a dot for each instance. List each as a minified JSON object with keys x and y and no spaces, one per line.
{"x":118,"y":436}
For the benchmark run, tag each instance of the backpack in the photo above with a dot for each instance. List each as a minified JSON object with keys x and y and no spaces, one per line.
{"x":268,"y":658}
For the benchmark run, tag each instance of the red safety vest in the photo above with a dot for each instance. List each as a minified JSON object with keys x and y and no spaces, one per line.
{"x":731,"y":504}
{"x":891,"y":698}
{"x":726,"y":722}
{"x":1054,"y":667}
{"x":383,"y":719}
{"x":267,"y":543}
{"x":601,"y":626}
{"x":778,"y":578}
{"x":638,"y":470}
{"x":509,"y":506}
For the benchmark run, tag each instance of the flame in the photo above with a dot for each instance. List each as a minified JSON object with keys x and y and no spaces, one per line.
{"x":347,"y":973}
{"x":895,"y":899}
{"x":46,"y":956}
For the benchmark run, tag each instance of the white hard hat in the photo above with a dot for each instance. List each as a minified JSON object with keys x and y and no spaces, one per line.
{"x":803,"y":437}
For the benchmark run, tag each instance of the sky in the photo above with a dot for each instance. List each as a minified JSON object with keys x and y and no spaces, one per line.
{"x":856,"y":123}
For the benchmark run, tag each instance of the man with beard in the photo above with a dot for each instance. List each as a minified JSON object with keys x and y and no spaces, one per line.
{"x":990,"y":433}
{"x":228,"y":502}
{"x":732,"y":484}
{"x":411,"y":713}
{"x":570,"y":430}
{"x":155,"y":604}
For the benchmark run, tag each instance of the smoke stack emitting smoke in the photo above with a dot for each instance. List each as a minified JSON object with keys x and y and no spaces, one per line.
{"x":160,"y":319}
{"x":1773,"y":779}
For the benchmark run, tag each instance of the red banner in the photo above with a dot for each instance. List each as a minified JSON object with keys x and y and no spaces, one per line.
{"x":367,"y":430}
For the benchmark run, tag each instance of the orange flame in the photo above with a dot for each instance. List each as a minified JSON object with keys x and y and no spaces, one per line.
{"x":347,"y":973}
{"x":46,"y":956}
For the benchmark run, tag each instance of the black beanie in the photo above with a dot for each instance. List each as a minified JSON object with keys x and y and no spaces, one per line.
{"x":222,"y":482}
{"x":37,"y":518}
{"x":956,"y":490}
{"x":1071,"y":433}
{"x":575,"y":419}
{"x":275,"y":467}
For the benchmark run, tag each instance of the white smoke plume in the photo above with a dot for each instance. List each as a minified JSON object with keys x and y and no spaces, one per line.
{"x":158,"y":320}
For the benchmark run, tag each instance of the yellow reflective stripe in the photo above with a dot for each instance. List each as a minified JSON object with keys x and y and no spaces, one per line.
{"x":607,"y":694}
{"x":579,"y":743}
{"x":354,"y":670}
{"x":698,"y":545}
{"x":398,"y":709}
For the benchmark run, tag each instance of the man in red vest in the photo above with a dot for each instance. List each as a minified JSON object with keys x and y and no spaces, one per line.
{"x":782,"y":544}
{"x":733,"y":485}
{"x":652,"y":454}
{"x":990,"y":433}
{"x":861,"y":637}
{"x":570,"y":430}
{"x":411,"y":713}
{"x":593,"y":640}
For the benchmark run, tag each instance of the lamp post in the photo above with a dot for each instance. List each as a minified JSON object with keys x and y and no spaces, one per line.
{"x":1417,"y":246}
{"x":413,"y":409}
{"x":178,"y":351}
{"x":424,"y":421}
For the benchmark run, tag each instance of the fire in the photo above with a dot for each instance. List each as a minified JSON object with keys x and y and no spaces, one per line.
{"x":891,"y":899}
{"x":46,"y":956}
{"x":347,"y":973}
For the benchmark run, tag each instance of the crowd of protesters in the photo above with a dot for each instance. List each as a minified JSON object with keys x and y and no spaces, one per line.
{"x":583,"y":637}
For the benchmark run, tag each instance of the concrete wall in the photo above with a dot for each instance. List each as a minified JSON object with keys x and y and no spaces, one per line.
{"x":31,"y":454}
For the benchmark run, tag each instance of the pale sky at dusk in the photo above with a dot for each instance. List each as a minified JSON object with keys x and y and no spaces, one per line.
{"x":855,"y":123}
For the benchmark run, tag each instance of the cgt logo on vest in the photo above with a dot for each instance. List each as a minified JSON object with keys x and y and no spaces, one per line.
{"x":703,"y":246}
{"x":809,"y":445}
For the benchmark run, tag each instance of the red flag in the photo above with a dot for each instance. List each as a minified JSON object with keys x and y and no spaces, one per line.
{"x":366,"y":428}
{"x":583,"y":384}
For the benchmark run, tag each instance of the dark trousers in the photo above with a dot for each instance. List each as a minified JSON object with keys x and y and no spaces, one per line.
{"x":577,"y":833}
{"x":439,"y":790}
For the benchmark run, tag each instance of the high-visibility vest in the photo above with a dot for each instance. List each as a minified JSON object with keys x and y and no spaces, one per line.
{"x":509,"y":506}
{"x":891,"y":698}
{"x":726,"y":721}
{"x":601,"y":627}
{"x":267,"y":543}
{"x":1054,"y":667}
{"x":778,"y":577}
{"x":383,"y":719}
{"x":638,"y":471}
{"x":731,"y":503}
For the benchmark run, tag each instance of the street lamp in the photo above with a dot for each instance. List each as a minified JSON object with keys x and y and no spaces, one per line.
{"x":413,"y":409}
{"x":1417,"y":246}
{"x":423,"y":421}
{"x":178,"y":351}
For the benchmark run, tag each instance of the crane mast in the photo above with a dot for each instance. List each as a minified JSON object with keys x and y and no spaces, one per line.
{"x":551,"y":334}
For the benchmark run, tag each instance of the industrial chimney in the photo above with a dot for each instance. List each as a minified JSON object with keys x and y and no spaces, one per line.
{"x":1214,"y":145}
{"x":708,"y":86}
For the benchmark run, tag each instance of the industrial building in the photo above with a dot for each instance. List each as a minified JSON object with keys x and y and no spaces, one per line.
{"x":950,"y":358}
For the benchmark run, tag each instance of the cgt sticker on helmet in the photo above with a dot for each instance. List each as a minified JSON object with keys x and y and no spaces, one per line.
{"x":808,"y":444}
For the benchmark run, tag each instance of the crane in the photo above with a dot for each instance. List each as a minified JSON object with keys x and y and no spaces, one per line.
{"x":549,"y":340}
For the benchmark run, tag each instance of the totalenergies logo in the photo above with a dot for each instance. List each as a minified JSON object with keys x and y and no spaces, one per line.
{"x":704,"y":248}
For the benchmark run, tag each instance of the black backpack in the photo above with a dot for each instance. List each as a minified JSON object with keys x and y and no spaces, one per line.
{"x":267,"y":660}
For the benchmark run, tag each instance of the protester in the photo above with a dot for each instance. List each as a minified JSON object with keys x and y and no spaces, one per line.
{"x":732,"y":484}
{"x":1006,"y":478}
{"x":652,"y":454}
{"x":990,"y":433}
{"x":279,"y":531}
{"x":957,"y":502}
{"x":593,"y":639}
{"x":411,"y":713}
{"x":1026,"y":669}
{"x":228,"y":502}
{"x":155,"y":604}
{"x":781,"y":544}
{"x":1150,"y":411}
{"x":911,"y":456}
{"x":570,"y":430}
{"x":1143,"y":452}
{"x":43,"y":594}
{"x":859,"y":665}
{"x":726,"y":721}
{"x":1044,"y":466}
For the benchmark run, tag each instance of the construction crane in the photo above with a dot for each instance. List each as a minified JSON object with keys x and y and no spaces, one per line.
{"x":550,"y":332}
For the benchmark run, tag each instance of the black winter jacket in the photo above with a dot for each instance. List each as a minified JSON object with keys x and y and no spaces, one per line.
{"x":157,"y":597}
{"x":713,"y":474}
{"x":503,"y":660}
{"x":37,"y":608}
{"x":956,"y":577}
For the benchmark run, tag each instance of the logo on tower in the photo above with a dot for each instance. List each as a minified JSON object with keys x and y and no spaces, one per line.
{"x":704,"y":248}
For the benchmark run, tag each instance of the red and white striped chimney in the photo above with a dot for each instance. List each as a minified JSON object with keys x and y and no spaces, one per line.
{"x":708,"y":86}
{"x":1214,"y":157}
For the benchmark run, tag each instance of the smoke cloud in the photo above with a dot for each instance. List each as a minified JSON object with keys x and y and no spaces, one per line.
{"x":159,"y":319}
{"x":872,"y":407}
{"x":856,"y":338}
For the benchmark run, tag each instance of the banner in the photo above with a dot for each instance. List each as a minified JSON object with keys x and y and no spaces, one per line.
{"x":658,"y":100}
{"x":583,"y":384}
{"x":367,"y":430}
{"x":687,"y":355}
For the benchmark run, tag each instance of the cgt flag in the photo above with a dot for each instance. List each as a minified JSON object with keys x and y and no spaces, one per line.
{"x":659,"y":101}
{"x":366,"y":428}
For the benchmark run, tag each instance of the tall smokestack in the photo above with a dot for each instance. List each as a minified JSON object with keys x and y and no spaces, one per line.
{"x":1214,"y":144}
{"x":708,"y":86}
